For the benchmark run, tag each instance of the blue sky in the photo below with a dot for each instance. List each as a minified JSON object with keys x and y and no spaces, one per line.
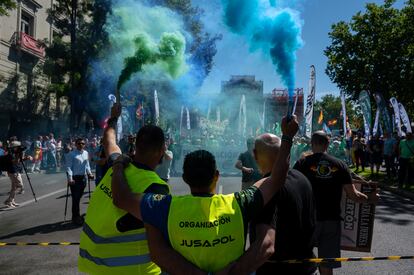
{"x":233,"y":56}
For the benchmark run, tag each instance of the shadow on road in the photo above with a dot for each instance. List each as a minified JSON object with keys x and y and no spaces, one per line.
{"x":390,"y":206}
{"x":42,"y":229}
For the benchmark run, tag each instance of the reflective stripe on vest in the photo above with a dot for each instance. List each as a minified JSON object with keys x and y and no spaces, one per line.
{"x":105,"y":250}
{"x":116,"y":261}
{"x":118,"y":239}
{"x":207,"y":231}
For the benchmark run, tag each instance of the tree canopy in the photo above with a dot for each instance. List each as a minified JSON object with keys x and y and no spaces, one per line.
{"x":375,"y":52}
{"x":6,"y":6}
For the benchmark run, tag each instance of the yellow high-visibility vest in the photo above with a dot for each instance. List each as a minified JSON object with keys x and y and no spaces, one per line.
{"x":207,"y":231}
{"x":105,"y":250}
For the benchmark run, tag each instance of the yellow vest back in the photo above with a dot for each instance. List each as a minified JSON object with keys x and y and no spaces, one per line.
{"x":105,"y":250}
{"x":207,"y":231}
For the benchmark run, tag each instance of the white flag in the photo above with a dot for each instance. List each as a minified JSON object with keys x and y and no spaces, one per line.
{"x":188,"y":119}
{"x":394,"y":104}
{"x":375,"y":129}
{"x":157,"y":108}
{"x":309,"y":103}
{"x":404,"y":118}
{"x":344,"y":112}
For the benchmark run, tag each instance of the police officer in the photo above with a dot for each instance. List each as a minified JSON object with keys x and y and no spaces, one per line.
{"x":113,"y":241}
{"x":205,"y":228}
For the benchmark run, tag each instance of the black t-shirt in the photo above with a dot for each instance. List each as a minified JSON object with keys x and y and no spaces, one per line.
{"x":6,"y":164}
{"x":327,"y":175}
{"x":248,"y":161}
{"x":291,"y":212}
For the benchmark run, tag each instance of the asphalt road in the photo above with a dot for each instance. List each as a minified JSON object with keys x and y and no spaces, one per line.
{"x":43,"y":222}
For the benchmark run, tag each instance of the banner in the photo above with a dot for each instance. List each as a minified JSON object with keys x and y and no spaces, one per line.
{"x":357,"y":220}
{"x":181,"y":120}
{"x":384,"y":114}
{"x":365,"y":104}
{"x":404,"y":118}
{"x":344,"y":112}
{"x":397,"y":119}
{"x":309,"y":103}
{"x":375,"y":129}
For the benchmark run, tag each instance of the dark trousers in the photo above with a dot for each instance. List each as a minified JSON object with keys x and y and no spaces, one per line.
{"x":360,"y":159}
{"x":77,"y":193}
{"x":390,"y":166}
{"x":405,"y":172}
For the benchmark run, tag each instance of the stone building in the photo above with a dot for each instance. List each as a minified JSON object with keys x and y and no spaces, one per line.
{"x":230,"y":103}
{"x":25,"y":105}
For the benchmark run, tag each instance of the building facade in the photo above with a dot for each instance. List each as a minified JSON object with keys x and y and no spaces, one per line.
{"x":26,"y":107}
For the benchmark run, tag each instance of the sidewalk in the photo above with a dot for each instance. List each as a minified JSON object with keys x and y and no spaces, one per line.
{"x":384,"y":183}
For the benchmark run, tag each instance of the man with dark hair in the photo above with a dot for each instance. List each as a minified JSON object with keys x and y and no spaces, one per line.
{"x":208,"y":230}
{"x":78,"y":171}
{"x":328,"y":177}
{"x":247,"y":164}
{"x":112,"y":240}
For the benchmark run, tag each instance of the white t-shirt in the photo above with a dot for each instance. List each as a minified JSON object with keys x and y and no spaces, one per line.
{"x":163,"y":170}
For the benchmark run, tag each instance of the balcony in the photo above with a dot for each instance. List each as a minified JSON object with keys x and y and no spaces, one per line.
{"x":28,"y":44}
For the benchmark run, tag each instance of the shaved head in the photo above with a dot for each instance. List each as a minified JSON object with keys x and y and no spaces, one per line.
{"x":266,"y":148}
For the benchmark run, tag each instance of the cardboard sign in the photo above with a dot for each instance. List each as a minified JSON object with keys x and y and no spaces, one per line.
{"x":358,"y":220}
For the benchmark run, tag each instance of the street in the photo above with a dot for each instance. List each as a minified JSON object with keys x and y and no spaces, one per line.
{"x":43,"y":222}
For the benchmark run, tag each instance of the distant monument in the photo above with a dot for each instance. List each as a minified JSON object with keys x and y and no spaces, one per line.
{"x":231,"y":95}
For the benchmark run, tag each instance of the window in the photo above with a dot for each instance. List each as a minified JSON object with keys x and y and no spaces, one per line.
{"x":26,"y":24}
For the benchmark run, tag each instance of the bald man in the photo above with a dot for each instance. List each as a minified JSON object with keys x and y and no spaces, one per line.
{"x":287,"y":221}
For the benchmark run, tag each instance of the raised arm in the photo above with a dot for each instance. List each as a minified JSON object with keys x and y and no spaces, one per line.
{"x":122,"y":196}
{"x":109,"y":137}
{"x":271,"y":185}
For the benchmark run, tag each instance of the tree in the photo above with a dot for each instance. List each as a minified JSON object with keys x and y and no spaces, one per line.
{"x":331,"y":107}
{"x":375,"y":52}
{"x":6,"y":6}
{"x":82,"y":22}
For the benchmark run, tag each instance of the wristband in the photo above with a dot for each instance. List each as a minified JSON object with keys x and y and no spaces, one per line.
{"x":287,"y":139}
{"x":112,"y":122}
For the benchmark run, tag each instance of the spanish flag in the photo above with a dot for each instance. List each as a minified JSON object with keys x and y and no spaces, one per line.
{"x":332,"y":122}
{"x":320,"y":119}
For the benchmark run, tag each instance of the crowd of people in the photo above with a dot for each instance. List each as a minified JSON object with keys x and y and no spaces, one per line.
{"x":283,"y":209}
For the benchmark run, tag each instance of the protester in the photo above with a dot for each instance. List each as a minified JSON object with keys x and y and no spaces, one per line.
{"x":37,"y":154}
{"x":248,"y":166}
{"x":287,"y":222}
{"x":164,"y":168}
{"x":78,"y":172}
{"x":358,"y":146}
{"x":390,"y":149}
{"x":328,"y":177}
{"x":215,"y":217}
{"x":406,"y":161}
{"x":110,"y":232}
{"x":14,"y":169}
{"x":375,"y":149}
{"x":2,"y":153}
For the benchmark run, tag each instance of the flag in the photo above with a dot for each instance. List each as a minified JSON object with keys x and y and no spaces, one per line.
{"x":365,"y":104}
{"x":332,"y":122}
{"x":396,"y":108}
{"x":375,"y":129}
{"x":309,"y":103}
{"x":320,"y":119}
{"x":343,"y":112}
{"x":156,"y":108}
{"x":404,"y":118}
{"x":384,"y":114}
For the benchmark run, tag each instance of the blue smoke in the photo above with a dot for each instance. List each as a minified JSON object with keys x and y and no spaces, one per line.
{"x":268,"y":27}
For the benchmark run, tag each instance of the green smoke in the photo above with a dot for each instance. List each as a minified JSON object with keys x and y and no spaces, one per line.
{"x":169,"y":54}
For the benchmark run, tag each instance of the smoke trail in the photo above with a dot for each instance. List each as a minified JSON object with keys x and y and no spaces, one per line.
{"x":169,"y":53}
{"x":267,"y":27}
